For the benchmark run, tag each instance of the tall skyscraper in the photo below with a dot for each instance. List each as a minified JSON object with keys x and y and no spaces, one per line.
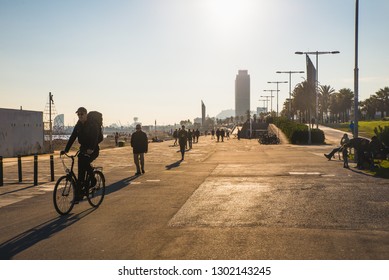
{"x":202,"y":113}
{"x":242,"y":93}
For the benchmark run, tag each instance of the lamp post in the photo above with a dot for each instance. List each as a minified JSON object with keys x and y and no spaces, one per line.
{"x":277,"y":82}
{"x":290,"y":87}
{"x":264,"y":100}
{"x":271,"y":98}
{"x":267,"y":101}
{"x":356,"y":72}
{"x":317,"y":53}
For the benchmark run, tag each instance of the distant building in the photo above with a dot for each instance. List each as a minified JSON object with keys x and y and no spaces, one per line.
{"x":202,"y":113}
{"x":261,"y":110}
{"x":242,"y":93}
{"x":59,"y":124}
{"x":21,"y":132}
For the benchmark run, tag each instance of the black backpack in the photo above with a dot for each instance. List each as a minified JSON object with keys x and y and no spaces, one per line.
{"x":97,"y":119}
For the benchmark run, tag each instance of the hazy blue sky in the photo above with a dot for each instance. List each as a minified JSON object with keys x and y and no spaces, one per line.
{"x":157,"y":59}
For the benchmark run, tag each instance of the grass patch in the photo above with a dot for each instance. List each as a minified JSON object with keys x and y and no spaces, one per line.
{"x":365,"y":128}
{"x":381,"y":169}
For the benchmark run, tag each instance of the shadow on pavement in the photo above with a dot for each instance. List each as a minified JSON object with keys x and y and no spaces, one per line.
{"x":173,"y":165}
{"x":25,"y":240}
{"x":17,"y":190}
{"x":120,"y":184}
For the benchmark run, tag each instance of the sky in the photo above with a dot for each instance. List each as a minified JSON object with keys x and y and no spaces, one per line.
{"x":157,"y":59}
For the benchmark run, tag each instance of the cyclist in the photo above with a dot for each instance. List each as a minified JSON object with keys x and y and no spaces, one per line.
{"x":88,"y":137}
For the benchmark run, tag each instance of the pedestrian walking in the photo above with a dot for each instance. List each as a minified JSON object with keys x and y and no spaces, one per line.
{"x":182,"y":141}
{"x":197,"y":135}
{"x":217,"y":134}
{"x":222,"y":134}
{"x":351,"y":126}
{"x":116,"y":139}
{"x":345,"y":156}
{"x":175,"y":136}
{"x":139,"y":144}
{"x":190,"y":138}
{"x":194,"y":136}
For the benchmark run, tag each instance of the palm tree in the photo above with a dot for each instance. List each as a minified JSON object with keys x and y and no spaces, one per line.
{"x":340,"y":104}
{"x":304,"y":100}
{"x":369,"y":107}
{"x":324,"y":100}
{"x":347,"y":97}
{"x":383,"y":96}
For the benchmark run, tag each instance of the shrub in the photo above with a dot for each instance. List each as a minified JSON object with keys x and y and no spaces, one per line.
{"x":298,"y":133}
{"x":382,"y":134}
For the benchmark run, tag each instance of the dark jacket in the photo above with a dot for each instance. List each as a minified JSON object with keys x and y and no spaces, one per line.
{"x":182,"y":137}
{"x":87,"y":134}
{"x":139,"y":142}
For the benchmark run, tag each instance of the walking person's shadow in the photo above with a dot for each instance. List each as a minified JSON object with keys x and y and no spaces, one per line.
{"x":173,"y":165}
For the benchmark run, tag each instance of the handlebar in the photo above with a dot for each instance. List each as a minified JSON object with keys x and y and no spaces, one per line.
{"x":63,"y":153}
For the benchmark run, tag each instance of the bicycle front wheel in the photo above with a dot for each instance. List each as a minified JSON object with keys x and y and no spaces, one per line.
{"x":96,"y":194}
{"x":63,"y":196}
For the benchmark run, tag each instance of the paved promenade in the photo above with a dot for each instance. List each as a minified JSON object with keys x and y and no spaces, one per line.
{"x":227,"y":200}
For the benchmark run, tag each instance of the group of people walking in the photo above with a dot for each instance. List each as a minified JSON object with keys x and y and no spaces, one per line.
{"x":220,"y":134}
{"x":193,"y":136}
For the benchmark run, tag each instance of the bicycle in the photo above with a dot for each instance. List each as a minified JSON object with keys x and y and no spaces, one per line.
{"x":65,"y":188}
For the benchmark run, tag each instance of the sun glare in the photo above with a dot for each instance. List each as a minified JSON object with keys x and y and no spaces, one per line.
{"x":229,"y":13}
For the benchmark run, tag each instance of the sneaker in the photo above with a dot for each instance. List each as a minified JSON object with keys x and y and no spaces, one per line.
{"x":143,"y":171}
{"x":327,"y":156}
{"x":137,"y":173}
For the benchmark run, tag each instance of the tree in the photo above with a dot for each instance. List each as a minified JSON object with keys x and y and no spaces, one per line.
{"x":340,"y":104}
{"x":325,"y":93}
{"x":369,"y":107}
{"x":383,"y":96}
{"x":346,"y":101}
{"x":304,"y":100}
{"x":186,"y":123}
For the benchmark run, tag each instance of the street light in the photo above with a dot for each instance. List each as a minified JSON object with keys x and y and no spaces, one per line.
{"x":264,"y":100}
{"x":278,"y":82}
{"x":271,"y":98}
{"x":317,"y":53}
{"x":356,"y":73}
{"x":267,"y":101}
{"x":290,"y":87}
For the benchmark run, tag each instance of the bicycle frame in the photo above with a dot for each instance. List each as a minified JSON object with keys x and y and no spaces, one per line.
{"x":69,"y":172}
{"x":63,"y":195}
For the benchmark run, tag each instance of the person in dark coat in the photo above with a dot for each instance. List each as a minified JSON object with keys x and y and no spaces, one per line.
{"x":182,"y":140}
{"x":139,"y":144}
{"x":88,"y":137}
{"x":190,"y":138}
{"x":361,"y":147}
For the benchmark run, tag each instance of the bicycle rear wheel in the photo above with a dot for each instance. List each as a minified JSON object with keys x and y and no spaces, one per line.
{"x":96,"y":194}
{"x":63,"y":195}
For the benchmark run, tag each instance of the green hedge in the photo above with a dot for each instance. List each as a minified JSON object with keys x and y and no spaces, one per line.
{"x":298,"y":133}
{"x":382,"y":134}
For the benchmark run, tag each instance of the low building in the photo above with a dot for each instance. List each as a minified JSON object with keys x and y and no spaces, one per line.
{"x":21,"y":132}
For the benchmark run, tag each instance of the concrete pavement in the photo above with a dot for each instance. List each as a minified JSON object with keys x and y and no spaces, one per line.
{"x":230,"y":200}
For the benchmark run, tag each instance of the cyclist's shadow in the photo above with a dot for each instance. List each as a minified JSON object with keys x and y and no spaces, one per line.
{"x":25,"y":240}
